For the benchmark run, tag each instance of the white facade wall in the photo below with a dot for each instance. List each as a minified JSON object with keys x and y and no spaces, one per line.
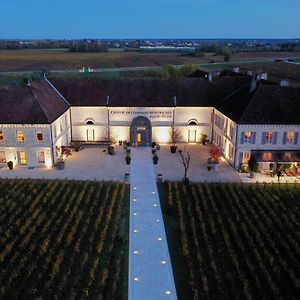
{"x":30,"y":146}
{"x":120,"y":119}
{"x":61,"y":132}
{"x":80,"y":115}
{"x":224,"y":135}
{"x":258,"y":144}
{"x":56,"y":134}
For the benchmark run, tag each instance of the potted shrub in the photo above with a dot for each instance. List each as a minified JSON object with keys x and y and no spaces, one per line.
{"x":153,"y":144}
{"x":203,"y":138}
{"x":209,"y":163}
{"x":76,"y":146}
{"x":153,"y":150}
{"x":253,"y":166}
{"x":128,"y":159}
{"x":62,"y":152}
{"x":10,"y":165}
{"x":175,"y":137}
{"x":111,"y":150}
{"x":120,"y":143}
{"x":157,"y":147}
{"x":155,"y":158}
{"x":128,"y":151}
{"x":215,"y":153}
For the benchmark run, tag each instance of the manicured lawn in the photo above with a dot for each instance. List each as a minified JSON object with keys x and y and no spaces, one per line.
{"x":63,"y":240}
{"x":233,"y":241}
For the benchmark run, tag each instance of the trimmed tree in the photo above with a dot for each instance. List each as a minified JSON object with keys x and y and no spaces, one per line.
{"x":186,"y":158}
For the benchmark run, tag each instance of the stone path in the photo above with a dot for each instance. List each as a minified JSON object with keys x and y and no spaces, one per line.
{"x":150,"y":270}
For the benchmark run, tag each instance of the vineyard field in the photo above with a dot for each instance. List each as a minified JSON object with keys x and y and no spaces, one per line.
{"x":233,"y":241}
{"x":63,"y":239}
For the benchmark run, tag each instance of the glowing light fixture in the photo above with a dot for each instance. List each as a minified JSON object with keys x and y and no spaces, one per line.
{"x":136,"y":251}
{"x":168,"y":292}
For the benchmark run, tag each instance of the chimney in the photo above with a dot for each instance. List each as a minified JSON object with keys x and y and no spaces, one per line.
{"x":264,"y":75}
{"x":175,"y":101}
{"x":236,"y":69}
{"x":28,"y":82}
{"x":107,"y":100}
{"x":284,"y":82}
{"x":253,"y":85}
{"x":210,"y":77}
{"x":250,"y":73}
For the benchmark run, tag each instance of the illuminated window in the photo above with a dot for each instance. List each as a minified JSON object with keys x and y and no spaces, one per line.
{"x":20,"y":136}
{"x":230,"y":154}
{"x":267,"y":156}
{"x":1,"y":136}
{"x":22,"y":157}
{"x":290,"y":136}
{"x":231,"y":131}
{"x":39,"y":136}
{"x":269,"y":137}
{"x":41,"y":157}
{"x":248,"y":135}
{"x":246,"y":157}
{"x":2,"y":157}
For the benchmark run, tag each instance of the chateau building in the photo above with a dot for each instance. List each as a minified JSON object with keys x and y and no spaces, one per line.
{"x":240,"y":115}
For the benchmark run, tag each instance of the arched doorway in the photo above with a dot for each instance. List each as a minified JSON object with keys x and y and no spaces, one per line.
{"x":192,"y":131}
{"x":141,"y":131}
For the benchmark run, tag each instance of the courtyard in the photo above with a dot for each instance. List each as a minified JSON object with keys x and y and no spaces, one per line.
{"x":92,"y":164}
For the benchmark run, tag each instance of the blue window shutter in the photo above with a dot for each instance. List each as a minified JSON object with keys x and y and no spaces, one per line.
{"x":296,"y":138}
{"x":253,"y":137}
{"x":275,"y":135}
{"x":242,"y":137}
{"x":241,"y":157}
{"x":284,"y":138}
{"x":264,"y":138}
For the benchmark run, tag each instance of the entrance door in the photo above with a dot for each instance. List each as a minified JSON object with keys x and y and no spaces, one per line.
{"x":139,"y":139}
{"x":192,"y":136}
{"x":90,"y":135}
{"x":22,"y":158}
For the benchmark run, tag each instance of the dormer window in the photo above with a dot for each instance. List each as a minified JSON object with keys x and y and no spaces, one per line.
{"x":39,"y":136}
{"x":20,"y":136}
{"x":1,"y":136}
{"x":248,"y":135}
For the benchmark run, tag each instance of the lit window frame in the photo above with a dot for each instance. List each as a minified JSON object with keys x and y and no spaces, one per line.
{"x":1,"y":136}
{"x":3,"y":161}
{"x":290,"y":137}
{"x":38,"y":157}
{"x":20,"y":136}
{"x":37,"y":133}
{"x":248,"y":136}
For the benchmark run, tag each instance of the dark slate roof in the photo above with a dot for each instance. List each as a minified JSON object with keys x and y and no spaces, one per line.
{"x":145,"y":92}
{"x":267,"y":104}
{"x":38,"y":103}
{"x":273,"y":105}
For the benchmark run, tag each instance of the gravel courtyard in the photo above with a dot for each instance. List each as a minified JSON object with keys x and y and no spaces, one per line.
{"x":91,"y":164}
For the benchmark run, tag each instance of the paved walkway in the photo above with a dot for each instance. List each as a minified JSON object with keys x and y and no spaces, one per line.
{"x":150,"y":270}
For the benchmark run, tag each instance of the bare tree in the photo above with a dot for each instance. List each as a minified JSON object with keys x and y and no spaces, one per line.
{"x":185,"y":156}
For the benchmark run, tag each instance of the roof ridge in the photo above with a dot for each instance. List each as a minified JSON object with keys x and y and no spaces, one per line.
{"x":55,"y":89}
{"x":233,"y":93}
{"x":41,"y":107}
{"x":255,"y":95}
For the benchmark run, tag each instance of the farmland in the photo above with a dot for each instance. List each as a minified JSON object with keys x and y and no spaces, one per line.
{"x":30,"y":60}
{"x":233,"y":241}
{"x":63,"y":240}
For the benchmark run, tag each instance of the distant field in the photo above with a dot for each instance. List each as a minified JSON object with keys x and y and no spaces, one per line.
{"x":23,"y":60}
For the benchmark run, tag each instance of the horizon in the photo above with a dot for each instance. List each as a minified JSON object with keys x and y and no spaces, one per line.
{"x":145,"y":19}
